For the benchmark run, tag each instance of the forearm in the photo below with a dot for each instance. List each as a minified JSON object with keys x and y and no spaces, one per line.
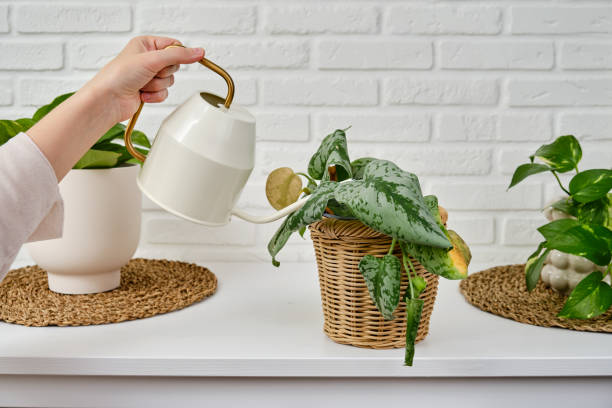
{"x":68,"y":131}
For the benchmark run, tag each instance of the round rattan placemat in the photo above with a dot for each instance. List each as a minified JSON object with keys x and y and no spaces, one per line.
{"x":502,"y":291}
{"x":148,"y":287}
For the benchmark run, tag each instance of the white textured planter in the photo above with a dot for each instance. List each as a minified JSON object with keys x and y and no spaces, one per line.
{"x":101,"y":231}
{"x":561,"y":271}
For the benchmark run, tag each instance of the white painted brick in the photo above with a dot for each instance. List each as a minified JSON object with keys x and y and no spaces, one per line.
{"x":167,"y":230}
{"x":487,"y":195}
{"x":560,"y":92}
{"x":474,"y":230}
{"x":586,"y":55}
{"x":318,"y":19}
{"x":442,"y":161}
{"x":20,"y":55}
{"x":496,"y":55}
{"x":444,"y":19}
{"x":185,"y":86}
{"x":376,"y":127}
{"x":151,"y":118}
{"x":93,"y":54}
{"x":41,"y":91}
{"x":402,"y":91}
{"x":253,"y":197}
{"x":73,"y":18}
{"x":375,"y":54}
{"x":259,"y":54}
{"x":561,"y":20}
{"x":525,"y":127}
{"x":4,"y":21}
{"x":6,"y":92}
{"x":510,"y":159}
{"x":270,"y":156}
{"x":282,"y":127}
{"x":586,"y":126}
{"x":523,"y":231}
{"x":320,"y":91}
{"x":466,"y":127}
{"x":176,"y":18}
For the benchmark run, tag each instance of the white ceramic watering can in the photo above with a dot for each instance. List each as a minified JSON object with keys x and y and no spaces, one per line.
{"x":201,"y":158}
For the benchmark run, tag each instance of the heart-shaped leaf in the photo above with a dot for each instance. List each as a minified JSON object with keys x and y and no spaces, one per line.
{"x":311,"y":211}
{"x":43,"y":110}
{"x":414,"y":309}
{"x":383,"y":278}
{"x":591,"y":241}
{"x":283,"y":187}
{"x":562,"y":155}
{"x":525,"y":170}
{"x":331,"y":153}
{"x":590,"y":298}
{"x":389,"y":200}
{"x":590,"y":185}
{"x":596,"y":212}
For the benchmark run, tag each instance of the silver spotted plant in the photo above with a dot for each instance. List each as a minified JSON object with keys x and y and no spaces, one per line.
{"x":387,"y":199}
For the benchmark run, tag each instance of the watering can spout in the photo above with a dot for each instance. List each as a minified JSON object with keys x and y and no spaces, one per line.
{"x":272,"y":217}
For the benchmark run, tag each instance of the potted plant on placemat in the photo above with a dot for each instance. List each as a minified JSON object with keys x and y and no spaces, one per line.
{"x":380,"y":245}
{"x":577,"y":248}
{"x":102,"y":206}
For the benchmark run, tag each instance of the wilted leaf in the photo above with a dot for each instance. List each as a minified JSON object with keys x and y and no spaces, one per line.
{"x":283,"y":187}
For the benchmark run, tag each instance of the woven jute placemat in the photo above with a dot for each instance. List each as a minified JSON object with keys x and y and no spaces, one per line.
{"x":148,"y":287}
{"x":502,"y":291}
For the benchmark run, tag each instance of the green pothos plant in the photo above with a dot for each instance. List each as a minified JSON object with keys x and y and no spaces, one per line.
{"x":388,"y":200}
{"x":106,"y":153}
{"x":587,"y":231}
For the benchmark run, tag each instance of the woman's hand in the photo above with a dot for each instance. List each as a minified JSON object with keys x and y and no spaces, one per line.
{"x":143,"y":71}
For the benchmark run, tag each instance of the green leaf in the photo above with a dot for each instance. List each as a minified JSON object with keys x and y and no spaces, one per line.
{"x":331,"y":152}
{"x":562,"y":155}
{"x":534,"y":266}
{"x":390,"y":201}
{"x":340,"y":210}
{"x":97,"y":159}
{"x":567,"y":205}
{"x":140,"y":139}
{"x":590,"y":298}
{"x":525,"y":170}
{"x":591,"y":241}
{"x":42,"y":111}
{"x":590,"y":185}
{"x":596,"y":212}
{"x":125,"y":157}
{"x":414,"y":309}
{"x":358,"y":166}
{"x":25,"y":123}
{"x":113,"y":133}
{"x":383,"y":278}
{"x":309,"y":213}
{"x":8,"y":130}
{"x":418,"y":285}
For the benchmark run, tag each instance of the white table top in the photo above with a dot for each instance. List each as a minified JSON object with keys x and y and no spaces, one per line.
{"x":266,"y":321}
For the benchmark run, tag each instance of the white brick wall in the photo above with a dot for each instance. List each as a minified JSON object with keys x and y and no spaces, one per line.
{"x":458,"y":91}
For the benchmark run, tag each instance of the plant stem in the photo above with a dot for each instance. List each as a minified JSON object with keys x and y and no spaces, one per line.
{"x":392,"y":246}
{"x":307,"y":177}
{"x":408,"y":269}
{"x":559,"y":181}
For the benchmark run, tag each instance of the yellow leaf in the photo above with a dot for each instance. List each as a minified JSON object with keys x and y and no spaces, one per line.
{"x":283,"y":187}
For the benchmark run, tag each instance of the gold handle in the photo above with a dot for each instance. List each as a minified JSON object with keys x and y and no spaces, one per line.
{"x":228,"y":101}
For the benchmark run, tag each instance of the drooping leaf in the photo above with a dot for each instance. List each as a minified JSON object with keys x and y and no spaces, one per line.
{"x":331,"y":152}
{"x":358,"y":166}
{"x":525,"y":170}
{"x":591,"y":241}
{"x":383,"y":278}
{"x":42,"y":111}
{"x":418,"y":285}
{"x":113,"y":133}
{"x":338,"y":209}
{"x":590,"y":298}
{"x":590,"y":185}
{"x":414,"y":309}
{"x":309,"y":213}
{"x":562,"y":155}
{"x":390,"y":201}
{"x":534,"y":265}
{"x":97,"y":159}
{"x":283,"y":187}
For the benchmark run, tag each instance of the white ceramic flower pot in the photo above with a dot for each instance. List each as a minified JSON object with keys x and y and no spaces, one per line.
{"x":101,"y":231}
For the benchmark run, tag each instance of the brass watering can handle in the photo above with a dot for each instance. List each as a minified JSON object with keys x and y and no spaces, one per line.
{"x":228,"y":101}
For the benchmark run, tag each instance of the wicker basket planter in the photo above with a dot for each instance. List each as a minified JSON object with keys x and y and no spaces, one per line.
{"x":350,"y":315}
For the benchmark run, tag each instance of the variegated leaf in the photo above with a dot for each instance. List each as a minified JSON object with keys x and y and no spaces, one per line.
{"x":383,"y":279}
{"x":331,"y":152}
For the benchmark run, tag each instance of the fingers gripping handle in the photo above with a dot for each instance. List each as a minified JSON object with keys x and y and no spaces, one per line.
{"x":228,"y":101}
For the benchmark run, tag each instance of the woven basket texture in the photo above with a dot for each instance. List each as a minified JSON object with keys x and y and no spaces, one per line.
{"x":350,"y":315}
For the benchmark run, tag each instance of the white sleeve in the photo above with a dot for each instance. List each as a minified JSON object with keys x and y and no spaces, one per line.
{"x":31,"y":208}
